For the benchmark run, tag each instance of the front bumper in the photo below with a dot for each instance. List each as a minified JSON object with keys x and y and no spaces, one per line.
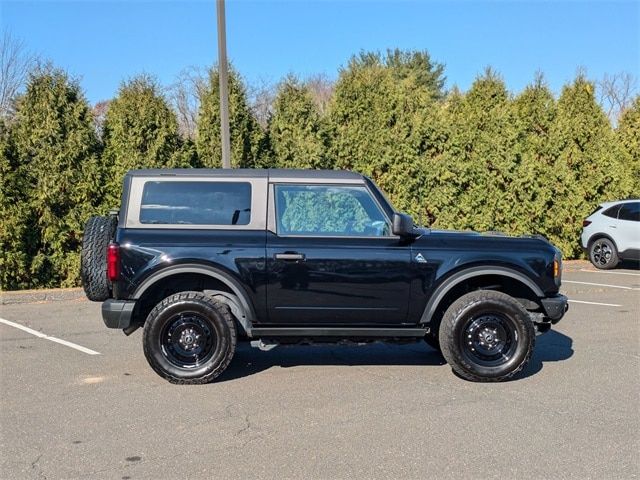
{"x":117,"y":313}
{"x":555,"y":307}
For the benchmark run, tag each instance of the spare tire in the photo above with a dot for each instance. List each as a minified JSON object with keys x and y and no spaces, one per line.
{"x":98,"y":233}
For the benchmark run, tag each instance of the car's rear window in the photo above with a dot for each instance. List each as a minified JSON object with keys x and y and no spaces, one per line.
{"x":196,"y":203}
{"x":612,"y":211}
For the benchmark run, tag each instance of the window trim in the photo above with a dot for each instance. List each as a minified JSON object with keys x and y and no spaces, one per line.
{"x":257,"y":219}
{"x":273,"y":223}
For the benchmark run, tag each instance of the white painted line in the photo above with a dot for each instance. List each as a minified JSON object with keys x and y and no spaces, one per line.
{"x":596,"y":303}
{"x":38,"y":334}
{"x":610,"y":273}
{"x":600,"y":285}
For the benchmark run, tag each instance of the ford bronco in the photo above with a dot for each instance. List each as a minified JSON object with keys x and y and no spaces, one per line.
{"x":202,"y":259}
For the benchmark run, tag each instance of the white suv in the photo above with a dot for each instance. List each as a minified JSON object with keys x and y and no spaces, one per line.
{"x":612,"y":233}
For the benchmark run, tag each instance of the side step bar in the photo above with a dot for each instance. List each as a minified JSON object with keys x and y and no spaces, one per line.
{"x":339,"y":332}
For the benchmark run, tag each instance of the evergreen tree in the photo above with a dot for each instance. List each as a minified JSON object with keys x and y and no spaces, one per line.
{"x":140,"y":131}
{"x":297,"y":134}
{"x":381,"y":125}
{"x":588,"y":150}
{"x":406,"y":63}
{"x":56,"y":159}
{"x":479,"y":161}
{"x":15,"y":244}
{"x":539,"y":181}
{"x":628,"y":136}
{"x":248,"y":142}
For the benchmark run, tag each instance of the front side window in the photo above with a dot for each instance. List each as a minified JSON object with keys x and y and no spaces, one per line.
{"x":323,"y":210}
{"x":196,"y":203}
{"x":630,"y":211}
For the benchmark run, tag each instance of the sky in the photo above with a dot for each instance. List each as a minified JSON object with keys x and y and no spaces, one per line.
{"x":103,"y":43}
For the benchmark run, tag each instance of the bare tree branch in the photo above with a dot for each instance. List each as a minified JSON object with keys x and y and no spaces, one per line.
{"x":261,"y":96}
{"x":15,"y":63}
{"x":321,"y":88}
{"x":616,"y":93}
{"x":184,"y":96}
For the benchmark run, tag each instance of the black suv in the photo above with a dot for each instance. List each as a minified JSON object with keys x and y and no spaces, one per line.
{"x":205,"y":258}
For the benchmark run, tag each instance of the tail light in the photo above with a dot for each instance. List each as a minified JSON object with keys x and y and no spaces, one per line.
{"x":113,"y":262}
{"x":586,"y":223}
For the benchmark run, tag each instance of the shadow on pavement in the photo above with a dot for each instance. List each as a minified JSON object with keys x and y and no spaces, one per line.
{"x":552,"y":346}
{"x":249,"y":361}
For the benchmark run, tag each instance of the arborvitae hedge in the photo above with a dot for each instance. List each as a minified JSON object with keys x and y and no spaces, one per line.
{"x":248,"y":145}
{"x":140,"y":131}
{"x":297,"y":133}
{"x":57,"y":167}
{"x":484,"y":159}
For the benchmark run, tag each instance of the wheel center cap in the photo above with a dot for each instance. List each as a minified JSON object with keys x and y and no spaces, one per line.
{"x":188,"y":338}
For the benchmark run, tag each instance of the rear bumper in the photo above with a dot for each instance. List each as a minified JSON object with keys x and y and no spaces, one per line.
{"x":555,"y":307}
{"x":117,"y":313}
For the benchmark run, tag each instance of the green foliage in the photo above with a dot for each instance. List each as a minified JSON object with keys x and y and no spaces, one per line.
{"x":482,"y":159}
{"x":628,"y":136}
{"x":248,"y":142}
{"x":15,"y":244}
{"x":297,"y":133}
{"x":591,"y":158}
{"x":59,"y":177}
{"x":478,"y":161}
{"x":380,"y":125}
{"x":403,"y":64}
{"x":140,"y":131}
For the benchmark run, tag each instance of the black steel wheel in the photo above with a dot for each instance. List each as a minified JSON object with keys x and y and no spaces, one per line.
{"x":486,"y":336}
{"x":189,"y":338}
{"x":603,"y":254}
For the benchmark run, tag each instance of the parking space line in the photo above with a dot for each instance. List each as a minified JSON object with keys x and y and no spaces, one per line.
{"x":38,"y":334}
{"x":600,"y":285}
{"x":596,"y":303}
{"x":610,"y":273}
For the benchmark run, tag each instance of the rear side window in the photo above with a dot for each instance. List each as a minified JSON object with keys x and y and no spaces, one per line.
{"x":612,"y":211}
{"x":630,"y":211}
{"x":196,"y":203}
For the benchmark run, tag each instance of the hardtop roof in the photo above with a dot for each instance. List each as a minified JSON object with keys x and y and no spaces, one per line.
{"x":275,"y":174}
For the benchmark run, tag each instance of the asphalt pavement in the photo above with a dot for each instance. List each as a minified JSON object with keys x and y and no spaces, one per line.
{"x":377,"y":411}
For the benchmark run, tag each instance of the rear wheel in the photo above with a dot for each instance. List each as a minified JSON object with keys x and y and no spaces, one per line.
{"x":98,"y":233}
{"x":486,"y":336}
{"x":603,"y":254}
{"x":189,"y":338}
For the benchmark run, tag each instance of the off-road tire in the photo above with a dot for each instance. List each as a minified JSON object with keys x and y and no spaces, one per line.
{"x":214,"y":314}
{"x":482,"y":305}
{"x":598,"y":250}
{"x":98,"y":232}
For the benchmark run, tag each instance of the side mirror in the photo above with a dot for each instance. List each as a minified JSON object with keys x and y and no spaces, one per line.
{"x":402,"y":225}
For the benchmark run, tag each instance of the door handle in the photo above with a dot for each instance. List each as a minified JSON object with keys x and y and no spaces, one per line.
{"x":289,"y":256}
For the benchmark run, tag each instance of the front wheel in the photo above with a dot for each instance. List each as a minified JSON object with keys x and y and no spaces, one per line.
{"x":189,"y":338}
{"x":486,"y":336}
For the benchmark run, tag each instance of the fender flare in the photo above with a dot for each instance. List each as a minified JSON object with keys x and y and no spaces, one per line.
{"x":455,"y":279}
{"x":243,"y":310}
{"x":598,"y":235}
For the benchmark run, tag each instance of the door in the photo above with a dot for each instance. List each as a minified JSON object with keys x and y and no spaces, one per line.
{"x":332,"y":260}
{"x":628,"y":226}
